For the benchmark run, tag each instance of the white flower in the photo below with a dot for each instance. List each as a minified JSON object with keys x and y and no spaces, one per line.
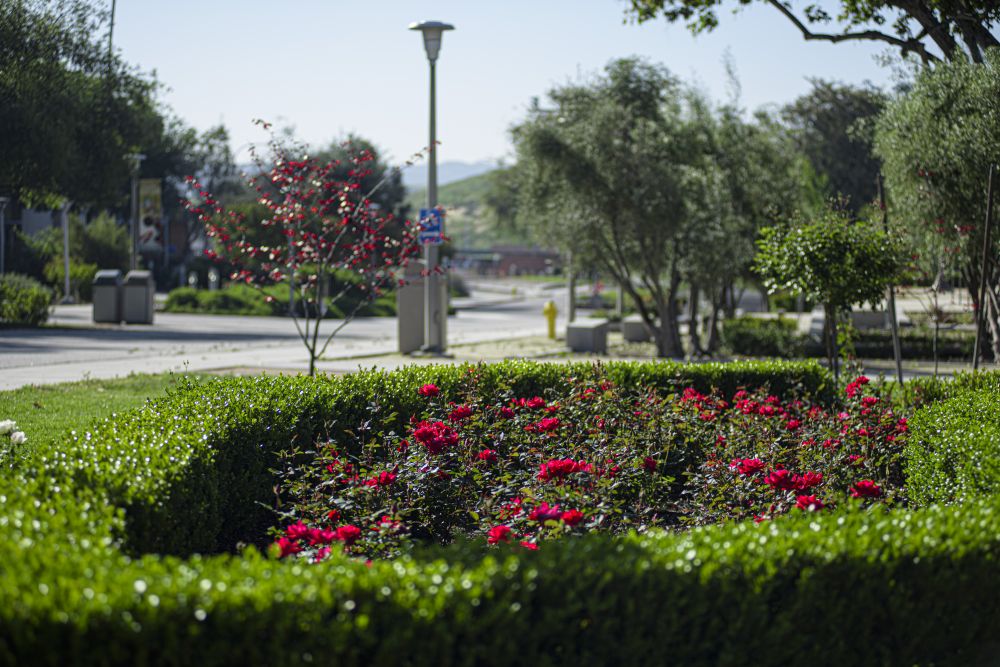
{"x":18,"y":438}
{"x":7,"y":426}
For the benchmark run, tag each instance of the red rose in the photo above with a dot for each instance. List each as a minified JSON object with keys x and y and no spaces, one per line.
{"x":297,"y":531}
{"x":530,"y":546}
{"x":348,"y":534}
{"x":866,"y":488}
{"x":809,"y":503}
{"x":781,"y":480}
{"x":808,"y":480}
{"x":545,"y":512}
{"x":429,"y":390}
{"x":288,"y":547}
{"x":649,"y":464}
{"x":507,"y":413}
{"x":572,"y":517}
{"x":499,"y":534}
{"x":747,"y":466}
{"x":536,"y":402}
{"x":459,"y":413}
{"x":488,"y":455}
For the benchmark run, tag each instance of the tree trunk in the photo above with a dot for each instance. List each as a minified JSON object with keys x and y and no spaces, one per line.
{"x":693,"y":336}
{"x":713,"y":322}
{"x":834,"y":356}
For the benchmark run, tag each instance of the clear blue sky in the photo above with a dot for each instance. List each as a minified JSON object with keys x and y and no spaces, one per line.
{"x":329,"y":67}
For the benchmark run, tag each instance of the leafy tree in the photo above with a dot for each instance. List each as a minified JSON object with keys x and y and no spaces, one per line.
{"x":833,"y":127}
{"x":70,"y":111}
{"x":937,"y":143}
{"x":327,"y":228}
{"x":602,"y":176}
{"x":832,"y":260}
{"x":957,"y":29}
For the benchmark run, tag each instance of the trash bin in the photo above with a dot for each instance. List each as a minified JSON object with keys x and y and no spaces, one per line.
{"x":108,"y":296}
{"x":137,"y":297}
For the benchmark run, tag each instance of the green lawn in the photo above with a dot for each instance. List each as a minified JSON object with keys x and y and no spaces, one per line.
{"x":48,"y":412}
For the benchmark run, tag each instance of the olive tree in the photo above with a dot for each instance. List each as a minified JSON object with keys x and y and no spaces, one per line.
{"x":936,"y":144}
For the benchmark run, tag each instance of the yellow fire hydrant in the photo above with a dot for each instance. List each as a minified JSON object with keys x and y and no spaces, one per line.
{"x":550,"y":311}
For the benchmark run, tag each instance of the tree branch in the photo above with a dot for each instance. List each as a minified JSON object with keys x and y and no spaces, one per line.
{"x":906,"y":45}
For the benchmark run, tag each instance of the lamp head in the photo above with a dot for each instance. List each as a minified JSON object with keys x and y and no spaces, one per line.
{"x":433,"y":31}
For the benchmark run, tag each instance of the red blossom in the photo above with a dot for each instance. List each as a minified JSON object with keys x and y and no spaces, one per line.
{"x":297,"y":531}
{"x":288,"y":547}
{"x":747,"y":466}
{"x":808,"y":481}
{"x":649,"y":464}
{"x":507,"y":413}
{"x":429,"y":390}
{"x":781,"y":480}
{"x":866,"y":488}
{"x":459,"y":413}
{"x":809,"y":503}
{"x":435,"y":436}
{"x":560,"y":468}
{"x":488,"y":455}
{"x":499,"y":534}
{"x":348,"y":534}
{"x":572,"y":517}
{"x":545,"y":512}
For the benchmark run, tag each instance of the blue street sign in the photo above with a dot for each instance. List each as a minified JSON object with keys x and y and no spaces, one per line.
{"x":430,"y":226}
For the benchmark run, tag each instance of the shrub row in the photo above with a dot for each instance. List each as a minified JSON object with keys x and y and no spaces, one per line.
{"x":238,"y":299}
{"x":192,"y":469}
{"x":856,"y":588}
{"x":752,"y":336}
{"x":952,"y":450}
{"x":183,"y":475}
{"x":23,"y":301}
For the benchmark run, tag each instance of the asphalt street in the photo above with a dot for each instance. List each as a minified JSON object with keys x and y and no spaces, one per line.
{"x":72,"y":347}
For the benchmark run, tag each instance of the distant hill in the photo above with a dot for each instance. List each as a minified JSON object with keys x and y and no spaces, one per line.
{"x":466,"y":222}
{"x":415,"y":177}
{"x":466,"y":193}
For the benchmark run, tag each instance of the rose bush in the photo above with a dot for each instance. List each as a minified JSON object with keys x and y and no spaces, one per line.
{"x":592,"y":456}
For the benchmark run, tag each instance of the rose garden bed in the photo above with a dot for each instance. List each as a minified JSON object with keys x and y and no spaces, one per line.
{"x":512,"y":514}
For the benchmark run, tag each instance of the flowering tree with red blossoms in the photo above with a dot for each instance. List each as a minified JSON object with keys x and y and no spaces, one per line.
{"x":330,"y":226}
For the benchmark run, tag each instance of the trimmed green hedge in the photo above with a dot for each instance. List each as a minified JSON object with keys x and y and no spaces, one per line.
{"x":877,"y":589}
{"x":952,"y":453}
{"x":192,"y":470}
{"x":182,"y":475}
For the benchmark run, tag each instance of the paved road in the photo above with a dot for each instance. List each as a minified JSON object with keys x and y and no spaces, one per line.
{"x":73,"y":347}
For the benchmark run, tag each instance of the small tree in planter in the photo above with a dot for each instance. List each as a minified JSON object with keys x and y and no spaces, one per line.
{"x":832,"y":260}
{"x":331,"y":240}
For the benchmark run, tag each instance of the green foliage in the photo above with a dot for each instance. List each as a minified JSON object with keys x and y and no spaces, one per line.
{"x":913,"y":29}
{"x":240,"y":299}
{"x":23,"y":301}
{"x":937,"y":143}
{"x":734,"y":594}
{"x":70,"y":111}
{"x":832,"y":127}
{"x":831,"y":260}
{"x":46,"y":413}
{"x":81,"y":277}
{"x":952,"y":450}
{"x":756,"y":337}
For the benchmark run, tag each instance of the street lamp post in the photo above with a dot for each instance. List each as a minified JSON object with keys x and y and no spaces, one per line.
{"x":133,"y":254}
{"x":3,"y":234}
{"x":434,"y":309}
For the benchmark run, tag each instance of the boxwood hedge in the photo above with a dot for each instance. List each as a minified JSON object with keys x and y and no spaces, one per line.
{"x":952,"y":453}
{"x":85,"y":579}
